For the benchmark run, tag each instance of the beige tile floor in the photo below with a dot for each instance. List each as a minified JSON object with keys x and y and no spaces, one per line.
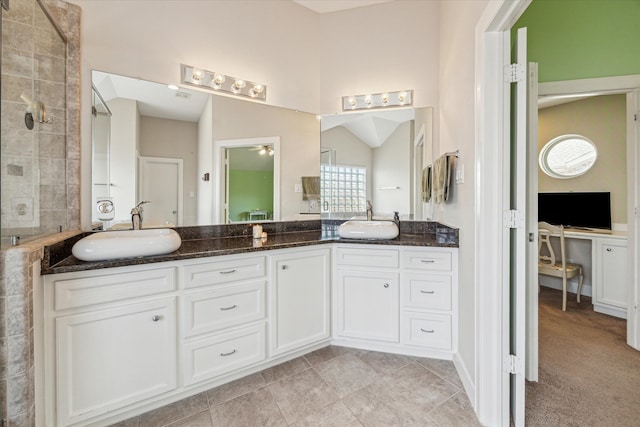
{"x":333,"y":386}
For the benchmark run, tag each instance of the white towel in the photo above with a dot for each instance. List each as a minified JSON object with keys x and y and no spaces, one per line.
{"x":427,"y":183}
{"x":442,"y":178}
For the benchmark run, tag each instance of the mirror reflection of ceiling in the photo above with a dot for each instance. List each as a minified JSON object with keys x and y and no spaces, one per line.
{"x":154,"y":99}
{"x":244,"y":158}
{"x":373,"y":127}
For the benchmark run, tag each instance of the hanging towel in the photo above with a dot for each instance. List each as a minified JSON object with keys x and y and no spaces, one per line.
{"x":310,"y":188}
{"x":442,"y":178}
{"x":427,"y":181}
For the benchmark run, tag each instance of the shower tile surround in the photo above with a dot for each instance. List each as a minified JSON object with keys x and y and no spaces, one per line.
{"x":59,"y":189}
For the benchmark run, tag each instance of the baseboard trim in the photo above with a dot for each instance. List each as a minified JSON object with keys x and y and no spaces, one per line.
{"x":572,"y":286}
{"x":467,"y":381}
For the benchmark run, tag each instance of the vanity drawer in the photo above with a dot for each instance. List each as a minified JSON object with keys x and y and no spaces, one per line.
{"x":428,"y":291}
{"x":218,"y":309}
{"x":213,"y":273}
{"x":207,"y":358}
{"x":98,"y":289}
{"x":428,"y":260}
{"x":364,"y":257}
{"x":427,"y":330}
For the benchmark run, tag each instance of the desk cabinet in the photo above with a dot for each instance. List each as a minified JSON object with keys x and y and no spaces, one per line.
{"x":610,"y":295}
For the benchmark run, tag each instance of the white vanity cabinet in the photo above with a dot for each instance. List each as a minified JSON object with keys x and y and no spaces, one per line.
{"x":367,"y":293}
{"x":401,"y":299}
{"x":429,"y":299}
{"x":110,"y":341}
{"x":610,"y":296}
{"x":224,"y":316}
{"x":115,"y":342}
{"x":300,"y":298}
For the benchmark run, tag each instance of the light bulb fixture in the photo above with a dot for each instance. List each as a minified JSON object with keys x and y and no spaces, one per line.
{"x":219,"y":82}
{"x":401,"y":98}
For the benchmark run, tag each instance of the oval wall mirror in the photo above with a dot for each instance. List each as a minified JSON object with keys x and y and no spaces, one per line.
{"x":567,"y":156}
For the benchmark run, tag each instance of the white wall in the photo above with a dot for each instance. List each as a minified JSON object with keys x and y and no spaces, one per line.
{"x":308,"y":61}
{"x":457,"y":131}
{"x":175,"y":139}
{"x":392,"y":167}
{"x":123,"y":161}
{"x":205,"y":165}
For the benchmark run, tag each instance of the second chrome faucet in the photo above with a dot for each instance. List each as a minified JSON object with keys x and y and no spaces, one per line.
{"x":136,"y":215}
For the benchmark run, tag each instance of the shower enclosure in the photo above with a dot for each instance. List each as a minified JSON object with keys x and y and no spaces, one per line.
{"x":33,"y":191}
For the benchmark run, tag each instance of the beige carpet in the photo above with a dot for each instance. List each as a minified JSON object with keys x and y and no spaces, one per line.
{"x":588,"y":375}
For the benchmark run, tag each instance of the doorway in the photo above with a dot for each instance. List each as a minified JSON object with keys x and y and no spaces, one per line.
{"x":161,"y":183}
{"x":222,"y":197}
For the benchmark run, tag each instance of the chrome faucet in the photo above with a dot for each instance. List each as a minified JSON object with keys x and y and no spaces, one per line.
{"x":136,"y":215}
{"x":369,"y":211}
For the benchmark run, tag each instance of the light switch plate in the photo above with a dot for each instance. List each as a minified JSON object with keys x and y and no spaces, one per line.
{"x":460,"y":173}
{"x":297,"y":188}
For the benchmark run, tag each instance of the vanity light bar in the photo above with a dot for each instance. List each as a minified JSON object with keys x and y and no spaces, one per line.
{"x":222,"y":83}
{"x":402,"y":98}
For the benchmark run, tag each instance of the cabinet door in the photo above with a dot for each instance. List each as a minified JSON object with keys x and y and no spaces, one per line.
{"x":300,"y":299}
{"x":109,"y":358}
{"x":612,"y":273}
{"x":368,"y":305}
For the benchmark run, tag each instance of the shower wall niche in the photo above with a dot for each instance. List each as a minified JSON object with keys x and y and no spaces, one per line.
{"x":34,"y":95}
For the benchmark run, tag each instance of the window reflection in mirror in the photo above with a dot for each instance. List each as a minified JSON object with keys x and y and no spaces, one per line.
{"x":567,"y":156}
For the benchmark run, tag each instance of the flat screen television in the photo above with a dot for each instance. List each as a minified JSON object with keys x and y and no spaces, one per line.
{"x":576,"y":209}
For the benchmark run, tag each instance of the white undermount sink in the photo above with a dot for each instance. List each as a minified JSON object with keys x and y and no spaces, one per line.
{"x":368,"y":230}
{"x":107,"y":245}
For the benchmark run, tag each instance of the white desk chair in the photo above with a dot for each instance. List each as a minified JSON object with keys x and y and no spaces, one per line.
{"x":549,"y":265}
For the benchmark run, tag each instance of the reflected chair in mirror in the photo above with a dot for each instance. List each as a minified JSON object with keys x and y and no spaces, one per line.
{"x":550,"y":265}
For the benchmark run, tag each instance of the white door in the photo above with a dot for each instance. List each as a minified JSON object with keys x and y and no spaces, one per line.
{"x":531,"y":359}
{"x":633,"y":314}
{"x":517,"y":208}
{"x":161,"y":185}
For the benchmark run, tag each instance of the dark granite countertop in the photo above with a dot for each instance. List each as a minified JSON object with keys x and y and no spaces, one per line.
{"x":200,"y":242}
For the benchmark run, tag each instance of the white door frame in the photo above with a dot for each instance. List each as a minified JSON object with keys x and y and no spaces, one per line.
{"x":489,"y":397}
{"x":219,"y":148}
{"x":630,"y":86}
{"x":491,"y":394}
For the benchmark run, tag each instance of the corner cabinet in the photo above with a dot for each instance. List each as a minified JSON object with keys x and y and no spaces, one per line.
{"x":396,"y":299}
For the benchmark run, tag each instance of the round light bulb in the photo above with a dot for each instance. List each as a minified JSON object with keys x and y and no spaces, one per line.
{"x":197,"y":75}
{"x":218,"y":79}
{"x":352,"y":101}
{"x":385,"y":98}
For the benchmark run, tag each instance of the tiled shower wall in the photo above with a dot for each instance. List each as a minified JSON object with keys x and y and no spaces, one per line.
{"x":57,"y":146}
{"x":34,"y":178}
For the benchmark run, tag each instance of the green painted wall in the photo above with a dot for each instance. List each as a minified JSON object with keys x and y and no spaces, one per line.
{"x":579,"y":39}
{"x":249,"y":190}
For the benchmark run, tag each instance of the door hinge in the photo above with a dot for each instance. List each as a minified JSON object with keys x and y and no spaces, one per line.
{"x":513,"y":219}
{"x":513,"y":364}
{"x":635,"y":117}
{"x":514,"y":73}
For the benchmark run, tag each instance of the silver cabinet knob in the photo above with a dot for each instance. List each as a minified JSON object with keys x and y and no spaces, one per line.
{"x":609,"y":249}
{"x":156,"y":318}
{"x":284,"y":267}
{"x":386,"y":285}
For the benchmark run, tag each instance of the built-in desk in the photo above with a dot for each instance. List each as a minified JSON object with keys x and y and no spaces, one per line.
{"x":603,"y":257}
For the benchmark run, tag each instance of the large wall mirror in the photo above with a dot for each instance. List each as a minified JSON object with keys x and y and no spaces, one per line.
{"x":154,"y":143}
{"x":377,"y":156}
